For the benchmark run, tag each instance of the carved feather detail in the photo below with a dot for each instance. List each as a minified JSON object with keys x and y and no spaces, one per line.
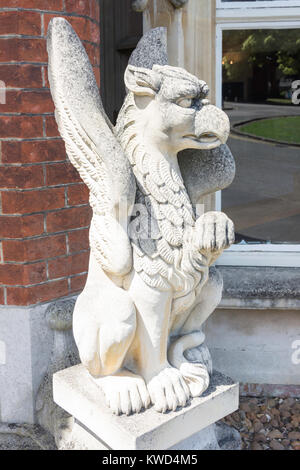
{"x":90,"y":143}
{"x":165,"y":251}
{"x":169,"y":212}
{"x":155,"y":172}
{"x":163,"y":261}
{"x":154,"y":190}
{"x":165,"y":172}
{"x":156,"y":281}
{"x":177,"y":178}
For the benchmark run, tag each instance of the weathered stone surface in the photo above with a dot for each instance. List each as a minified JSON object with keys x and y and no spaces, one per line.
{"x":74,"y":86}
{"x":77,"y":393}
{"x":150,"y":285}
{"x":263,"y":283}
{"x":178,"y":3}
{"x":151,"y":49}
{"x":139,"y":5}
{"x":27,"y":358}
{"x":205,"y":170}
{"x":213,"y":437}
{"x":25,"y":437}
{"x":64,"y":354}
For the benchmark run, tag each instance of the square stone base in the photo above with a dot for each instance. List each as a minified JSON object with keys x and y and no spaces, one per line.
{"x":96,"y":427}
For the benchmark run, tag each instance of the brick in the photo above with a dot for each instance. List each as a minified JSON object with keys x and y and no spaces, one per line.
{"x":78,"y":240}
{"x":34,"y":249}
{"x":1,"y":296}
{"x":47,"y":84}
{"x":21,"y":76}
{"x":68,"y":265}
{"x":61,"y":173}
{"x":34,"y":273}
{"x":78,"y":194}
{"x":38,"y":293}
{"x":28,"y":102}
{"x":23,"y":49}
{"x":78,"y":283}
{"x":26,"y":202}
{"x":16,"y":274}
{"x":67,"y":219}
{"x":33,"y":50}
{"x":82,"y":7}
{"x":51,"y":127}
{"x":55,"y":5}
{"x":21,"y":177}
{"x":94,"y":33}
{"x":21,"y":226}
{"x":21,"y":126}
{"x":97,"y":75}
{"x":94,"y":53}
{"x":82,"y":26}
{"x":17,"y":22}
{"x":33,"y":151}
{"x":95,"y":10}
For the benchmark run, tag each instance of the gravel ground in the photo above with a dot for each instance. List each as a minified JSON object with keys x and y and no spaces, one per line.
{"x":25,"y":437}
{"x":267,"y":423}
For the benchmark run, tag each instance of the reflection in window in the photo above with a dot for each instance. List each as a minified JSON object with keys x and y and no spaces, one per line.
{"x":261,"y":77}
{"x":226,"y":1}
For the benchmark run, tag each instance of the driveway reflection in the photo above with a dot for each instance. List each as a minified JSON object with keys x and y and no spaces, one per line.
{"x":264,"y":198}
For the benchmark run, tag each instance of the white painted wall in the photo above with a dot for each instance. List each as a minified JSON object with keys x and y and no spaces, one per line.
{"x":256,"y":346}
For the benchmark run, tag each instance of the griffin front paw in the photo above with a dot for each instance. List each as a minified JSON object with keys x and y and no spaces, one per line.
{"x":196,"y":377}
{"x":168,"y":390}
{"x":125,"y":392}
{"x":214,"y":232}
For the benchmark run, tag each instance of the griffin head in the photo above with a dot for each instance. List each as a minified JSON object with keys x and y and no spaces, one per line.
{"x":174,"y":109}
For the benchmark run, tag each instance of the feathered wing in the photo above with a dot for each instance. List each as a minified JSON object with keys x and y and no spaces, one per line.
{"x":91,"y":146}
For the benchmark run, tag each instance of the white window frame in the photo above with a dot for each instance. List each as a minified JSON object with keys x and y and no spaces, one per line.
{"x":282,"y":255}
{"x":256,"y":5}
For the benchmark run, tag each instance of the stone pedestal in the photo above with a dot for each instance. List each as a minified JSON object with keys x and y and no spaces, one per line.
{"x":190,"y":428}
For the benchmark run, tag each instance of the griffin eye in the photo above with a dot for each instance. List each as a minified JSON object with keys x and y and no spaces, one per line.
{"x":185,"y":102}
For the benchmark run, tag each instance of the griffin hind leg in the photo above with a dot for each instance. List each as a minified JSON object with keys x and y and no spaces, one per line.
{"x":104,"y":329}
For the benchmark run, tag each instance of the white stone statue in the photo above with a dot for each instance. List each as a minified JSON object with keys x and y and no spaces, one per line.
{"x":149,"y":286}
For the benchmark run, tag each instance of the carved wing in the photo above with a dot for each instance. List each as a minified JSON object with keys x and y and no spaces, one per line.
{"x":91,"y":146}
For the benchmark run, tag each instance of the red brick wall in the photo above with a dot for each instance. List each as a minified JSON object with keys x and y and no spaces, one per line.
{"x":44,"y":212}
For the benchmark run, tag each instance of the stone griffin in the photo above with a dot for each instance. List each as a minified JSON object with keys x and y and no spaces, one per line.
{"x":137,"y":323}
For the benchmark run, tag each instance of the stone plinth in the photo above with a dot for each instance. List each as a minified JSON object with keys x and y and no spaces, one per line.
{"x":96,"y":427}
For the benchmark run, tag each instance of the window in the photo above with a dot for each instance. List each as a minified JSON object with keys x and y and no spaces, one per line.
{"x":258,"y":68}
{"x":259,"y":3}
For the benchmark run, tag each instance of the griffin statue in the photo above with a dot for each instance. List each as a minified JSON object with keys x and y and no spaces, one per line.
{"x":150,"y":286}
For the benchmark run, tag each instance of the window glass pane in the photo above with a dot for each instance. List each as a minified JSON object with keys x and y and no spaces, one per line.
{"x":226,"y":1}
{"x":261,"y":95}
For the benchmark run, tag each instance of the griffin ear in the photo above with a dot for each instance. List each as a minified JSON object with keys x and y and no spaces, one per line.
{"x":140,"y":81}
